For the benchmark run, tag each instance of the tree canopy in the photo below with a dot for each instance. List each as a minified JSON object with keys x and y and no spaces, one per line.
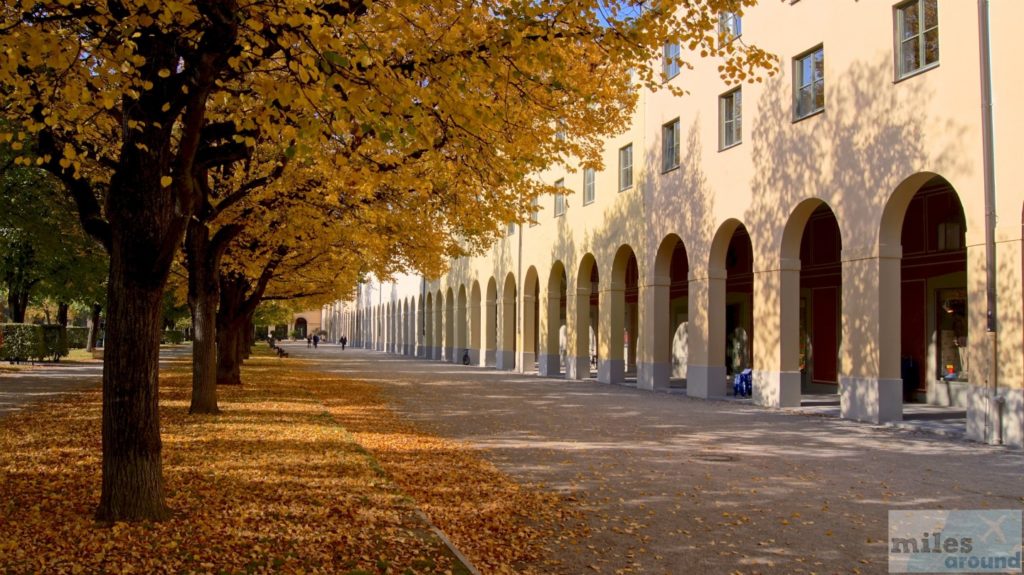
{"x":444,"y":106}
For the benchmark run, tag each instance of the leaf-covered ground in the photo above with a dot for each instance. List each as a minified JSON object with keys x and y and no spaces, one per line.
{"x":275,"y":484}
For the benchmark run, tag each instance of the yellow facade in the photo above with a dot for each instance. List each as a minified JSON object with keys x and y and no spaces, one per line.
{"x":658,"y":283}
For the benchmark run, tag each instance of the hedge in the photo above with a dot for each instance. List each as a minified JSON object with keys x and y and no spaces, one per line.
{"x":78,"y":337}
{"x":21,"y":342}
{"x":172,"y":336}
{"x":55,"y":342}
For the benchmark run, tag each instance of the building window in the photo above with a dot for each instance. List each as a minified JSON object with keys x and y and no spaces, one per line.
{"x":559,"y":199}
{"x":626,"y":167}
{"x":535,"y":211}
{"x":730,"y":26}
{"x":670,"y":146}
{"x":730,"y":119}
{"x":670,"y":66}
{"x":917,"y":36}
{"x":588,"y":186}
{"x":511,"y":230}
{"x":810,"y":82}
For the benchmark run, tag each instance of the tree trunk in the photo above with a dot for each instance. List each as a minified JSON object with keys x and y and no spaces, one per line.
{"x":94,"y":327}
{"x":17,"y":301}
{"x":133,"y":487}
{"x":229,"y":365}
{"x":202,"y":299}
{"x":62,"y":315}
{"x":250,"y":337}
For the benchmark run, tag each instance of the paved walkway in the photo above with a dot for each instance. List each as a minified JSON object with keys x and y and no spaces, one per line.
{"x":19,"y":389}
{"x":45,"y":381}
{"x":678,"y":485}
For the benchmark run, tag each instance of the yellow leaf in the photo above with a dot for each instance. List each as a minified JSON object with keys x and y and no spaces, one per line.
{"x":166,"y":181}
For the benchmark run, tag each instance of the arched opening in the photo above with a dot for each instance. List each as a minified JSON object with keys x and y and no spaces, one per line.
{"x":531,"y":321}
{"x":475,"y":334}
{"x":491,"y":323}
{"x":810,"y":345}
{"x":554,"y":344}
{"x":669,"y":317}
{"x":507,"y":346}
{"x":407,"y":327}
{"x":449,"y":326}
{"x":438,"y":325}
{"x":621,"y":299}
{"x":428,"y":332}
{"x":460,"y":326}
{"x":933,"y":297}
{"x":730,"y":306}
{"x":301,"y":328}
{"x":583,"y":340}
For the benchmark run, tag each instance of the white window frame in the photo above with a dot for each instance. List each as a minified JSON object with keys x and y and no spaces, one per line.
{"x":560,"y":199}
{"x":626,"y":167}
{"x":730,"y":119}
{"x":814,"y":85}
{"x":670,"y":60}
{"x":589,"y":185}
{"x":899,"y":12}
{"x":730,"y":26}
{"x":670,"y":146}
{"x":535,"y":212}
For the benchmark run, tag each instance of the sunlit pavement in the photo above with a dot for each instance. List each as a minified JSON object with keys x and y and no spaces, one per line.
{"x":679,"y":485}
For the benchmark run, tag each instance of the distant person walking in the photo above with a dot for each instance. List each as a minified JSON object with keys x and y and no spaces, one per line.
{"x":316,"y":341}
{"x":344,"y":341}
{"x":309,"y":341}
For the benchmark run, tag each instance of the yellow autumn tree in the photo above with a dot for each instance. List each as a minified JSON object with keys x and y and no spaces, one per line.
{"x":464,"y":96}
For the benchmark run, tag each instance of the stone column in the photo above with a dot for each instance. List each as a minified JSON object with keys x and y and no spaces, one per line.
{"x":611,"y":365}
{"x":870,"y":386}
{"x":578,"y":334}
{"x":776,"y":337}
{"x":549,"y":363}
{"x":525,"y":354}
{"x":705,"y":372}
{"x":654,"y":364}
{"x":506,"y":358}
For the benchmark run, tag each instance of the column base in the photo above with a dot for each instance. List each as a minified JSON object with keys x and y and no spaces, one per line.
{"x":870,"y":399}
{"x":653,"y":376}
{"x":490,"y":358}
{"x":776,"y":388}
{"x":435,"y":353}
{"x":577,"y":367}
{"x":449,"y":355}
{"x":706,"y":381}
{"x":611,"y":370}
{"x":526,"y":361}
{"x":983,"y":417}
{"x":506,"y":360}
{"x":549,"y":365}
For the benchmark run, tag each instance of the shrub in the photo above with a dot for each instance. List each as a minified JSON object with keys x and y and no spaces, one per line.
{"x":21,"y":342}
{"x":78,"y":337}
{"x":172,"y":336}
{"x":55,"y":342}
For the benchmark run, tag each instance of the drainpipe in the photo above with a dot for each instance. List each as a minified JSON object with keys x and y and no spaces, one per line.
{"x":520,"y":312}
{"x":988,"y":158}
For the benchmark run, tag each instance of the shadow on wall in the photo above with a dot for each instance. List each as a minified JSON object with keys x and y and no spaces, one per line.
{"x":852,"y":157}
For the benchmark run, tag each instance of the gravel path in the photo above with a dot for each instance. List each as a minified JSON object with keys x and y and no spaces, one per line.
{"x":677,"y":485}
